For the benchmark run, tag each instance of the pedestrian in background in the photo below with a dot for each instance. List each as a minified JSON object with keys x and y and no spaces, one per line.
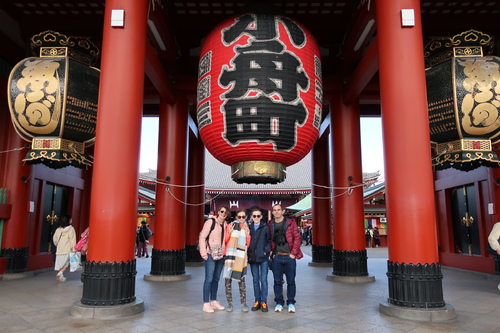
{"x":65,"y":240}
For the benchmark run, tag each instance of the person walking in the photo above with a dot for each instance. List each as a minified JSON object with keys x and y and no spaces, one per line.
{"x":211,"y":243}
{"x":285,"y":250}
{"x":376,"y":237}
{"x":237,"y":240}
{"x":83,"y":244}
{"x":368,"y":238}
{"x":65,"y":240}
{"x":260,"y":246}
{"x":143,"y":234}
{"x":494,"y":241}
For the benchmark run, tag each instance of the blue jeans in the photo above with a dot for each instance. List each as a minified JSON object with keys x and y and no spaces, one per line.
{"x":259,"y":274}
{"x":284,"y":264}
{"x":213,"y":270}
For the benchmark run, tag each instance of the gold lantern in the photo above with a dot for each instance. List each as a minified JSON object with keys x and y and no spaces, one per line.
{"x":53,"y":99}
{"x":463,"y":94}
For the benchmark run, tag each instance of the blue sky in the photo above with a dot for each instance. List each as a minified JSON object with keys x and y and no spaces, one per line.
{"x":371,"y":144}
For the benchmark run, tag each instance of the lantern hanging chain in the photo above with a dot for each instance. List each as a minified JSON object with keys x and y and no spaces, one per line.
{"x":187,"y":203}
{"x":26,"y":146}
{"x":340,"y":187}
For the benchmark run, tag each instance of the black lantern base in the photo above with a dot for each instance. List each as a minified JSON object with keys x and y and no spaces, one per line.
{"x":109,"y":283}
{"x":17,"y":260}
{"x":322,"y":254}
{"x":415,"y":286}
{"x":258,"y":172}
{"x":168,"y":262}
{"x":192,"y":254}
{"x":350,"y":263}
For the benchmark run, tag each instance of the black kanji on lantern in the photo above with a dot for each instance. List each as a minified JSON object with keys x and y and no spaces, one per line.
{"x":264,"y":103}
{"x":252,"y":119}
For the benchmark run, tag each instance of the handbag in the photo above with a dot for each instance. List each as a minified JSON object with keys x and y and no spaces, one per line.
{"x":251,"y":252}
{"x":79,"y":246}
{"x":216,"y":250}
{"x":74,"y":261}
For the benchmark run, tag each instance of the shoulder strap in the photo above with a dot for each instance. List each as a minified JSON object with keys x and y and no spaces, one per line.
{"x":211,"y":228}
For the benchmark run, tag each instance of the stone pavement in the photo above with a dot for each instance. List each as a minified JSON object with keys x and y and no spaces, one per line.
{"x":39,"y":304}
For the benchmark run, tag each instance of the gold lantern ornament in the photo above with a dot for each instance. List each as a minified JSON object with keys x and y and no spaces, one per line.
{"x":463,"y":95}
{"x":53,"y":99}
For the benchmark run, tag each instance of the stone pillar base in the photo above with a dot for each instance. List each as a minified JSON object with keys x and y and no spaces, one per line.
{"x":15,"y":276}
{"x":350,"y":279}
{"x":434,"y":315}
{"x":80,"y":310}
{"x":194,"y":264}
{"x":319,"y":264}
{"x":167,"y":278}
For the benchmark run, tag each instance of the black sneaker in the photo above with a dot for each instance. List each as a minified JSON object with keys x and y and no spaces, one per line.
{"x":256,"y":306}
{"x":264,"y":307}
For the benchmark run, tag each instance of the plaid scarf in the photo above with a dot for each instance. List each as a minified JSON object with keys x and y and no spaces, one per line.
{"x":235,"y":263}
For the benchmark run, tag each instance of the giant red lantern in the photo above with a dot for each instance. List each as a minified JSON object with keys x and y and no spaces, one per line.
{"x":259,"y":95}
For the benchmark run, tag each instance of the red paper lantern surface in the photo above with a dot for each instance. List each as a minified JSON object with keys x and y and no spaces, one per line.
{"x":259,"y":90}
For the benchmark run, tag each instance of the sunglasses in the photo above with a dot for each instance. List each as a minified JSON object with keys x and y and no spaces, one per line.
{"x":222,"y":211}
{"x":241,"y":216}
{"x":256,"y":215}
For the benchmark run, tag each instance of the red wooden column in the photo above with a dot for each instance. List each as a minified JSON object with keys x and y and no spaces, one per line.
{"x":321,"y":202}
{"x":110,"y":270}
{"x":414,"y":273}
{"x":17,"y":181}
{"x":195,"y":197}
{"x":169,"y":254}
{"x":349,"y":252}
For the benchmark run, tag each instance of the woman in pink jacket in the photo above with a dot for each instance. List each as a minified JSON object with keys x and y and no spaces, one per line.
{"x":212,"y":247}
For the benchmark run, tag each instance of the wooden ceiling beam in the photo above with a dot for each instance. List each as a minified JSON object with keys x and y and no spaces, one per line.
{"x":363,"y":74}
{"x":156,"y":74}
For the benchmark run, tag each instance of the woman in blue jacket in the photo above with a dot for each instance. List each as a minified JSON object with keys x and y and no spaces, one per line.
{"x":260,"y":244}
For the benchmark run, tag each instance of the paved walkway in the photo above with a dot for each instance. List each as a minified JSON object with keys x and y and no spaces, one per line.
{"x":38,"y":304}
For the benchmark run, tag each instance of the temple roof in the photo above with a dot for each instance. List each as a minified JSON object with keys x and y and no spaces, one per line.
{"x":218,"y":179}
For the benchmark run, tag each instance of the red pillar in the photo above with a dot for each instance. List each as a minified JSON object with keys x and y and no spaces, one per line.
{"x":113,"y":204}
{"x":17,"y":181}
{"x":169,"y":254}
{"x":321,"y":202}
{"x":349,"y":254}
{"x":195,"y":197}
{"x":409,"y":178}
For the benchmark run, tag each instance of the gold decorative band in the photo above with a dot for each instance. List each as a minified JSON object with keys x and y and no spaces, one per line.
{"x":53,"y":52}
{"x":468,"y":51}
{"x":463,"y":145}
{"x":41,"y":143}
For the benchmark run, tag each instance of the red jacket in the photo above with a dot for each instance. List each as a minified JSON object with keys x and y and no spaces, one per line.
{"x":292,"y":235}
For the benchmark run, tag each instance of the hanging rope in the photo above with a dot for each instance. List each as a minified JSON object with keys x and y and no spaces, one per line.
{"x":26,"y":146}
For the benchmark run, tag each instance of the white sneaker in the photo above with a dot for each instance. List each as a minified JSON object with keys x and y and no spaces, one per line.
{"x":278,"y":308}
{"x":62,"y":278}
{"x":291,"y":308}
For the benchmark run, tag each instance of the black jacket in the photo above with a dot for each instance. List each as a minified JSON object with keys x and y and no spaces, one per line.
{"x":264,"y":245}
{"x":143,"y":234}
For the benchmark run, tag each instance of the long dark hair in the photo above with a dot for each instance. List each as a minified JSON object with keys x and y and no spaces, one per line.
{"x":65,"y":221}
